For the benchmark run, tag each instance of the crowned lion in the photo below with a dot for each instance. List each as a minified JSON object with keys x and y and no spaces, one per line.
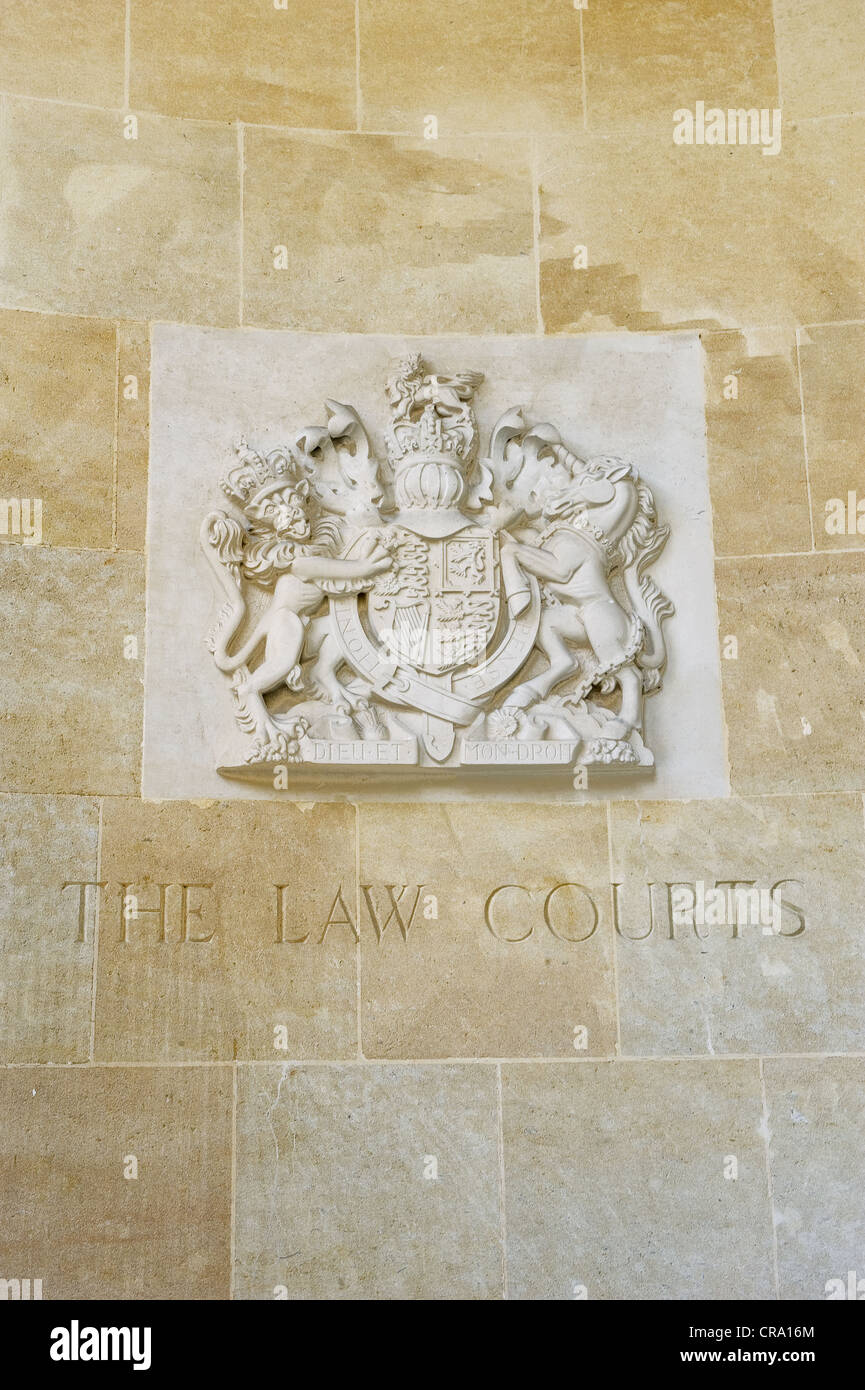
{"x":280,"y":548}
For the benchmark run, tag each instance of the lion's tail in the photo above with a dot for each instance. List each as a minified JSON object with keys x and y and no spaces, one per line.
{"x":222,"y":542}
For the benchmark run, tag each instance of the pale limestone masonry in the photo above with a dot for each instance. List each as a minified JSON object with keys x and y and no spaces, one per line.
{"x":375,"y":1040}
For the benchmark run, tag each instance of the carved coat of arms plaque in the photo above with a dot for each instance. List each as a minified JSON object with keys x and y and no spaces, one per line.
{"x":439,"y":606}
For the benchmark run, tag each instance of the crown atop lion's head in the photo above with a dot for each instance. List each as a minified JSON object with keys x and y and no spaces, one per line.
{"x":257,"y":475}
{"x":272,"y":490}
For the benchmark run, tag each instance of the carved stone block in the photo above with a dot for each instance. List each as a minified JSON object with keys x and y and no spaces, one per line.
{"x":440,"y":588}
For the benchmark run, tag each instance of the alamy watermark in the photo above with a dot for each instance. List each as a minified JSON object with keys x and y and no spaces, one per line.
{"x":733,"y":905}
{"x":21,"y":1290}
{"x":22,"y":516}
{"x":77,"y":1343}
{"x":845,"y":517}
{"x":734,"y":126}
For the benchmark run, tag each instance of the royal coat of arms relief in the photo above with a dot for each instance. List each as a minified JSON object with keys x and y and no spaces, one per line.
{"x":438,"y":606}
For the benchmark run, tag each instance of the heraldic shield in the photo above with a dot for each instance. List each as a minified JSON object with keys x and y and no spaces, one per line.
{"x":434,"y":631}
{"x":437,"y":608}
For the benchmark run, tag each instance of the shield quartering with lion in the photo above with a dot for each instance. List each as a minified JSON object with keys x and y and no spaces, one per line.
{"x":437,"y":609}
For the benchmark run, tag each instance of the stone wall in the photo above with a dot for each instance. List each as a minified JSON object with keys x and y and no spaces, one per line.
{"x":327,"y":1059}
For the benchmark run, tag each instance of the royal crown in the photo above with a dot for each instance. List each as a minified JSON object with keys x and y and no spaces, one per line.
{"x":256,"y":475}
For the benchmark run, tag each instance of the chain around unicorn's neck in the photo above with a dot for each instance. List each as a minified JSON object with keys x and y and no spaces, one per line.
{"x":580,"y":522}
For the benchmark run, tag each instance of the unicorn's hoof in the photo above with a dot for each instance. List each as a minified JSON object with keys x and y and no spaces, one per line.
{"x":523,"y":696}
{"x":617,"y":729}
